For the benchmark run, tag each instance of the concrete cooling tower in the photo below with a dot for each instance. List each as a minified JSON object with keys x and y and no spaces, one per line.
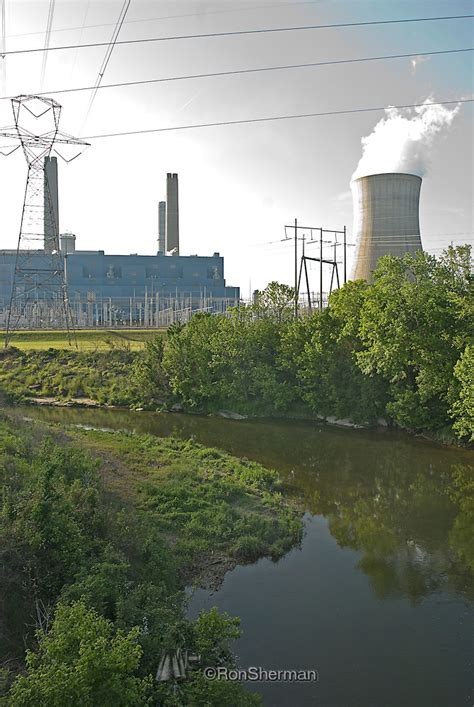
{"x":386,"y":219}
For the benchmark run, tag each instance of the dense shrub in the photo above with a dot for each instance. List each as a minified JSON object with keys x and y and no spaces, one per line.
{"x":397,"y":348}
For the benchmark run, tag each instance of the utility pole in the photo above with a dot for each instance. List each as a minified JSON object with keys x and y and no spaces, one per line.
{"x":322,"y":261}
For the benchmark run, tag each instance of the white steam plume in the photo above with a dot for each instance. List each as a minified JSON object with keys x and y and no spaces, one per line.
{"x":401,"y":141}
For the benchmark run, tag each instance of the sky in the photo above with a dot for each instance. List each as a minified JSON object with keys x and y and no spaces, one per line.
{"x":239,"y":184}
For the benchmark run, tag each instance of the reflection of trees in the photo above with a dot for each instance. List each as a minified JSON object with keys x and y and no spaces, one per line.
{"x":406,"y":505}
{"x":461,"y":535}
{"x":413,"y":527}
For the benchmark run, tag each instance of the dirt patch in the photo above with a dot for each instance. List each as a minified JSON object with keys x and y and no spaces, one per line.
{"x":208,"y":570}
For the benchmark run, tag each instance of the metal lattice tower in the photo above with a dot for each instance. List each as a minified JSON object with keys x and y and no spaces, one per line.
{"x":39,"y":297}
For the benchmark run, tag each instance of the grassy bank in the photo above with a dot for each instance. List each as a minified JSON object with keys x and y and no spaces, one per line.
{"x":215,"y":510}
{"x":64,"y":375}
{"x":87,"y":339}
{"x":99,"y":533}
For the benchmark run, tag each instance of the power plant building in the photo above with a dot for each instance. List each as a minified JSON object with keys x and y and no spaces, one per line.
{"x":386,"y":219}
{"x":133,"y":289}
{"x":125,"y":290}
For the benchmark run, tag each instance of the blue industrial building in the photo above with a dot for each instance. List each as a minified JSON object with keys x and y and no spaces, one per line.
{"x":132,"y":289}
{"x":115,"y":290}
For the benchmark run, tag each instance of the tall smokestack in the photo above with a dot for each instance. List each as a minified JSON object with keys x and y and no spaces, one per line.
{"x":51,"y":205}
{"x":162,"y":228}
{"x":172,"y":214}
{"x":386,"y":219}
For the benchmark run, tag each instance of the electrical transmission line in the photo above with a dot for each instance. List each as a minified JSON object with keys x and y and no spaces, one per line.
{"x":237,"y":33}
{"x":176,"y":17}
{"x":39,"y":294}
{"x":107,"y":57}
{"x":268,"y":119}
{"x":4,"y":46}
{"x":47,"y":38}
{"x":86,"y":12}
{"x":237,"y":72}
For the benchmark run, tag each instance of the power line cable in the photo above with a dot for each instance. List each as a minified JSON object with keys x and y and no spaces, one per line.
{"x":47,"y":39}
{"x":237,"y":72}
{"x":4,"y":46}
{"x":175,"y":17}
{"x":108,"y":54}
{"x":236,"y":33}
{"x":316,"y":240}
{"x":86,"y":12}
{"x":268,"y":119}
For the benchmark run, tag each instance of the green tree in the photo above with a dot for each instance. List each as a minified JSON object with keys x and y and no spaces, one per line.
{"x":275,"y":302}
{"x":54,"y":519}
{"x":188,"y":359}
{"x":149,"y":380}
{"x":414,"y":325}
{"x":462,"y":409}
{"x":82,"y":660}
{"x":212,"y":634}
{"x":319,"y":356}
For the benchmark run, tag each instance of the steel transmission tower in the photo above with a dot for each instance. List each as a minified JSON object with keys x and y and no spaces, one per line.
{"x":39,"y":297}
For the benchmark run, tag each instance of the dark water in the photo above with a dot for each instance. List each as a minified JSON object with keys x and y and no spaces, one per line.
{"x":378,"y":599}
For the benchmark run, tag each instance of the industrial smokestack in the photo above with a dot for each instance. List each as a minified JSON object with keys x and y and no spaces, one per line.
{"x":162,"y":228}
{"x":386,"y":219}
{"x":172,"y":214}
{"x":51,"y":205}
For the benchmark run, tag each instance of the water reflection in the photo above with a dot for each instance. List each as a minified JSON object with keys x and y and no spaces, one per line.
{"x":405,"y":504}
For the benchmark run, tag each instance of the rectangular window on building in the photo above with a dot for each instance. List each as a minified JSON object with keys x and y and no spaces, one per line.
{"x":176,"y":270}
{"x":87,"y":273}
{"x":213,"y":273}
{"x":114,"y":272}
{"x":151,"y":272}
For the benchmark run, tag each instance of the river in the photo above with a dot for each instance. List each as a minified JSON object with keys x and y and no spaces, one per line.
{"x":378,"y":598}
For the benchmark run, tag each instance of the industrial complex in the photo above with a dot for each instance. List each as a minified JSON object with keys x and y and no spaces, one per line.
{"x":156,"y":290}
{"x":48,"y":282}
{"x":118,"y":290}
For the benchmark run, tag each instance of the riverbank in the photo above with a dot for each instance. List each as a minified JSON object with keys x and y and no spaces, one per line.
{"x":386,"y":551}
{"x":121,"y":523}
{"x":213,"y":509}
{"x":446,"y":438}
{"x":135,"y":380}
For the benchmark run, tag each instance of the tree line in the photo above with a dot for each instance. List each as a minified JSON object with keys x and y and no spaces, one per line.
{"x":399,"y":348}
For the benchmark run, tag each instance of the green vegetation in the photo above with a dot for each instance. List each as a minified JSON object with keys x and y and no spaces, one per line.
{"x":204,"y":500}
{"x":67,"y":375}
{"x":398,"y":349}
{"x":87,"y":339}
{"x":99,"y":532}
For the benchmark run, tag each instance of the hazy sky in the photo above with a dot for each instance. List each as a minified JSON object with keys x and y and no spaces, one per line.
{"x":239,"y":185}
